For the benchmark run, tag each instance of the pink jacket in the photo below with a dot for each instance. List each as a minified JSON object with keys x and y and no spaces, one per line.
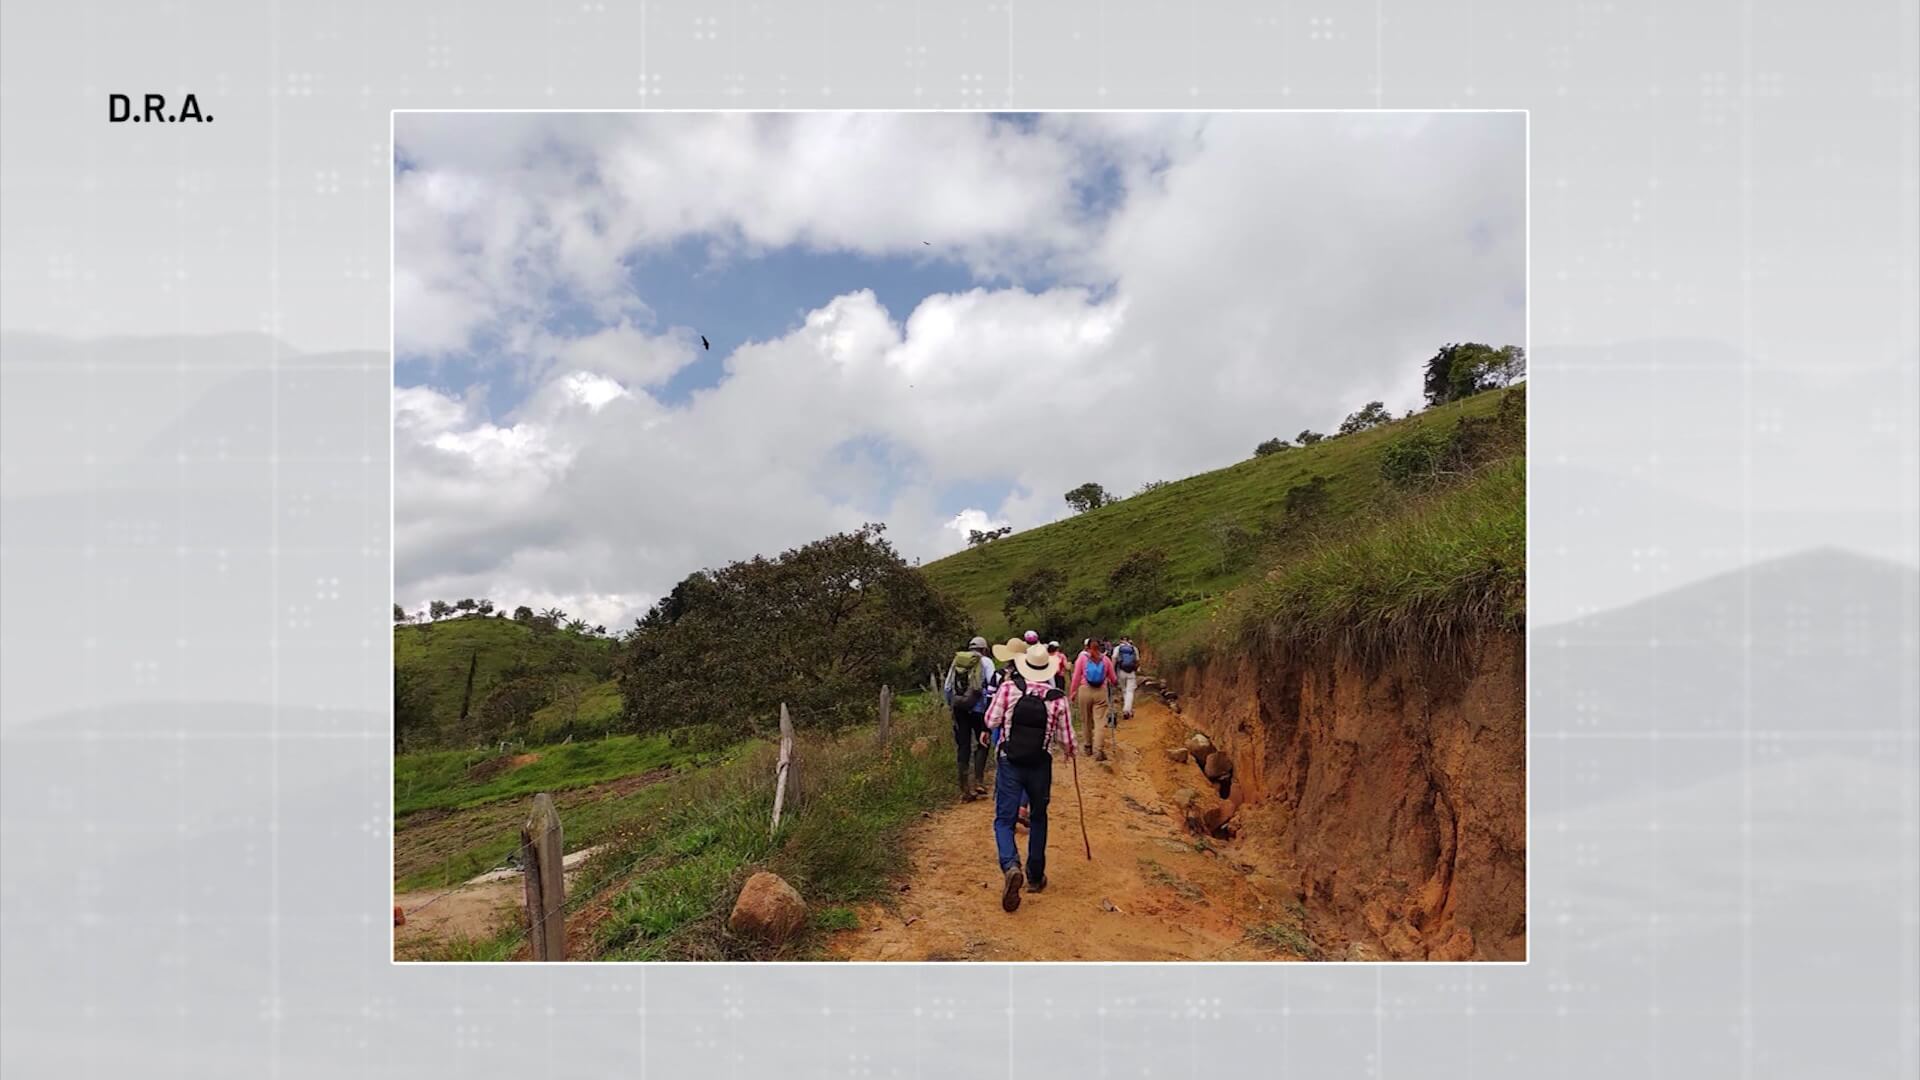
{"x":1080,"y":673}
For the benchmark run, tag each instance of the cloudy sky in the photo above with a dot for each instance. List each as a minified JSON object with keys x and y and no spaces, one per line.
{"x":939,"y":321}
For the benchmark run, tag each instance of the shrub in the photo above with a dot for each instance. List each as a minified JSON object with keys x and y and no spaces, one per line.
{"x":1272,"y":446}
{"x":1139,"y":582}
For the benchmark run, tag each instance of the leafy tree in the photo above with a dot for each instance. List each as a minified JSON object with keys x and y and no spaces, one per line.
{"x":507,"y":710}
{"x":485,"y":607}
{"x":576,"y":626}
{"x":469,"y":604}
{"x":1272,"y":446}
{"x":1139,"y":583}
{"x":1308,"y":437}
{"x":1036,"y":595}
{"x":412,"y":709}
{"x":600,"y":630}
{"x":439,"y":609}
{"x":523,"y":614}
{"x":1463,"y":370}
{"x":1234,"y":543}
{"x":1088,"y":496}
{"x":1372,"y":414}
{"x":1308,"y":499}
{"x":977,"y":536}
{"x":399,"y":613}
{"x":820,"y":627}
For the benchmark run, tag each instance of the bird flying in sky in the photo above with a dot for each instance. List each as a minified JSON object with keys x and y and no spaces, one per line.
{"x":703,"y":342}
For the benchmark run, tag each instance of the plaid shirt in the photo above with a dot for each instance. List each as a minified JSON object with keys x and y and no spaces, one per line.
{"x":1059,"y":713}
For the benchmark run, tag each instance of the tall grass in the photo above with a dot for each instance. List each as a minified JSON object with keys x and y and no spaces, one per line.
{"x":665,"y":888}
{"x":1187,"y":518}
{"x":1426,"y":582}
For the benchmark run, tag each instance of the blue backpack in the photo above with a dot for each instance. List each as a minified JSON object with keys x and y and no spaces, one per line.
{"x":1096,"y":672}
{"x":1126,"y":657}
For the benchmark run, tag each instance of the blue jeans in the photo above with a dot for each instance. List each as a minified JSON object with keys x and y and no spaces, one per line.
{"x":1012,"y":786}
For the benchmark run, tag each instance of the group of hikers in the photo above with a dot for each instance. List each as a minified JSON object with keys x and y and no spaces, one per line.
{"x":1020,"y":702}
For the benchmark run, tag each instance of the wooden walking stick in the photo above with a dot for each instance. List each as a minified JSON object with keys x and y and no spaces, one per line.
{"x":1075,"y":761}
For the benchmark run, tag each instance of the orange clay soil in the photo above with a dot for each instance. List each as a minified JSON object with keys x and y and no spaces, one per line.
{"x":1154,"y":890}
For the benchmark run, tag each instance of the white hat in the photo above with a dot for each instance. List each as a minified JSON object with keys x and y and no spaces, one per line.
{"x":977,"y":643}
{"x":1036,"y":664}
{"x":1014,"y":647}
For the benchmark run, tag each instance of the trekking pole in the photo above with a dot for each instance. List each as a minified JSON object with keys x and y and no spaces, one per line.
{"x":1074,"y":760}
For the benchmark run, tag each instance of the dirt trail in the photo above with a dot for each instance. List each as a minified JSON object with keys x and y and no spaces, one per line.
{"x":1154,"y":891}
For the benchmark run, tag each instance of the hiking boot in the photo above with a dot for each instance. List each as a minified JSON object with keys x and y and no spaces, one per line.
{"x":1010,"y":898}
{"x":1037,"y":884}
{"x":980,"y":790}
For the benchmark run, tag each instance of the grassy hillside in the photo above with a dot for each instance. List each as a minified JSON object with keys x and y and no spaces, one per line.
{"x":437,"y":656}
{"x":1189,"y":520}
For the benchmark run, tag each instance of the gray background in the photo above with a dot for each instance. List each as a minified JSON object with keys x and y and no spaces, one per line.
{"x":195,"y":551}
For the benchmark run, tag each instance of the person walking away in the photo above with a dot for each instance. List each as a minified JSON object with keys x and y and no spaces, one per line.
{"x":1091,"y":691}
{"x":966,"y":690}
{"x":1031,"y":716}
{"x":1126,"y":662}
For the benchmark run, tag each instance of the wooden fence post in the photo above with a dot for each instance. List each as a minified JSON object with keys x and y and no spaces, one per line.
{"x":786,"y":763}
{"x":540,"y":853}
{"x":886,"y":714}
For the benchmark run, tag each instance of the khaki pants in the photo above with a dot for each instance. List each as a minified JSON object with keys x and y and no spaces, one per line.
{"x":1090,"y":705}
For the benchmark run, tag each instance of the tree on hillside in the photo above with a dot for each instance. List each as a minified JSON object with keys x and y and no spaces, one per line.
{"x":1308,"y":437}
{"x":1035,"y":598}
{"x":412,"y":709}
{"x":600,"y":630}
{"x":1088,"y":496}
{"x":1272,"y":446}
{"x":439,"y":609}
{"x":1139,"y":583}
{"x":467,"y":605}
{"x":577,"y":626}
{"x":976,"y":536}
{"x":485,"y":607}
{"x":1372,"y":414}
{"x":523,"y":614}
{"x":1463,"y":370}
{"x":399,"y":613}
{"x":819,"y":627}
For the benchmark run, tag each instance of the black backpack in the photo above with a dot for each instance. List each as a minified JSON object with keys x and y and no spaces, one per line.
{"x":1026,"y":742}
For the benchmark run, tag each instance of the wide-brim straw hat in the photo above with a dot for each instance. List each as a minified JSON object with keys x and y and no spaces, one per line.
{"x":1036,"y":664}
{"x":1014,"y":647}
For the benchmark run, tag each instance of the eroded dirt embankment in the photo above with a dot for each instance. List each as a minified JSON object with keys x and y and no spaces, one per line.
{"x":1399,"y":794}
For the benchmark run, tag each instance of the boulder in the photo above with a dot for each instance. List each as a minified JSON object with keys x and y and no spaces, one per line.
{"x":768,"y":908}
{"x":1199,"y":746}
{"x":1457,"y":947}
{"x":1363,"y":953}
{"x":1401,"y":943}
{"x":1178,"y":753}
{"x":1219,"y":766}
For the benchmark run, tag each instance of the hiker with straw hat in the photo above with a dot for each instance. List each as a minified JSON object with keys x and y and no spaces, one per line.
{"x":1033,"y":715}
